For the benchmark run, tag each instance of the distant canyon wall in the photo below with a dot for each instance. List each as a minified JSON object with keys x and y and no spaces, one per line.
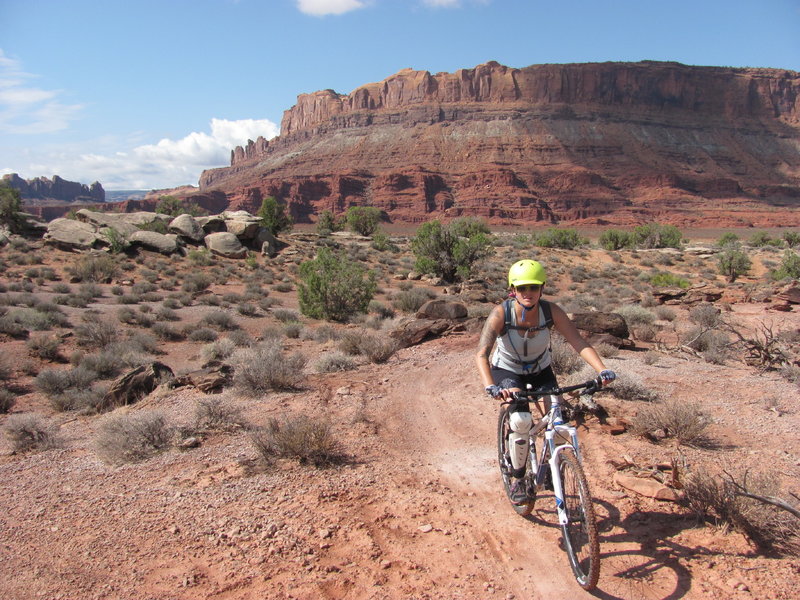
{"x":594,"y":143}
{"x":43,"y":189}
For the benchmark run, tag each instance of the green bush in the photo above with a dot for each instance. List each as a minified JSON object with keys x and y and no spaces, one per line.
{"x":792,"y":238}
{"x":441,"y":251}
{"x":566,"y":239}
{"x":668,"y":280}
{"x":761,"y":239}
{"x":733,"y":262}
{"x":10,"y":207}
{"x":273,"y":216}
{"x":95,"y":267}
{"x":334,"y":288}
{"x":615,"y":239}
{"x":655,"y":235}
{"x":790,"y":266}
{"x":363,"y":220}
{"x":327,"y":223}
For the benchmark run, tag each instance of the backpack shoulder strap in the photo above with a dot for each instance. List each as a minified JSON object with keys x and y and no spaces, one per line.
{"x":548,"y":313}
{"x":506,"y":316}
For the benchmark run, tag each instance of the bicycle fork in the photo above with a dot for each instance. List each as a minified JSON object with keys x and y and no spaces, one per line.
{"x":551,"y":452}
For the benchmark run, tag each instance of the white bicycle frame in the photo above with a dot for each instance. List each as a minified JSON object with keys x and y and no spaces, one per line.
{"x":563,"y":430}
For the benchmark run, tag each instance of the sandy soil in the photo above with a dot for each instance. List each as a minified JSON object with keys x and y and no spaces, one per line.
{"x":417,"y":510}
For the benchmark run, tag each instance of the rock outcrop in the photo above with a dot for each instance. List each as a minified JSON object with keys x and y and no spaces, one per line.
{"x":610,"y":143}
{"x":41,"y":189}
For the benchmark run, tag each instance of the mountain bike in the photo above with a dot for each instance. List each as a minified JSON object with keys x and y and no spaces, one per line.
{"x":557,"y":467}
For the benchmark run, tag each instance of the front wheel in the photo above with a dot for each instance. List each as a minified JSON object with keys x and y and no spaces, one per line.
{"x":580,"y":532}
{"x":504,"y":458}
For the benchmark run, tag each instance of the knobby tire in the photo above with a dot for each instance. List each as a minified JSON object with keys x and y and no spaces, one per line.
{"x":581,"y":540}
{"x":504,"y":459}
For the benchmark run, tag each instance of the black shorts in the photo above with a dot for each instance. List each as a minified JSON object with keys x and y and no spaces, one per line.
{"x":543,"y":380}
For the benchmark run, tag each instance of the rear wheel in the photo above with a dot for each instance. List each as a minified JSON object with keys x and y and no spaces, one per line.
{"x":580,"y":533}
{"x":504,"y":458}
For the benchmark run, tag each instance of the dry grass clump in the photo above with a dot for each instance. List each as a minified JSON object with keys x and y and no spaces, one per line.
{"x":305,"y":438}
{"x":219,"y":320}
{"x":376,"y":346}
{"x":218,"y":350}
{"x":29,"y":431}
{"x":564,"y":359}
{"x":96,"y":334}
{"x":7,"y":400}
{"x":132,"y":437}
{"x":264,"y":367}
{"x":723,"y":499}
{"x":671,"y":419}
{"x":629,"y":386}
{"x":334,"y":361}
{"x":46,"y":347}
{"x":218,"y":414}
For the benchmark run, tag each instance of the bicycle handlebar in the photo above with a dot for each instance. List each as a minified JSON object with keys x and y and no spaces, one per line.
{"x":591,"y":386}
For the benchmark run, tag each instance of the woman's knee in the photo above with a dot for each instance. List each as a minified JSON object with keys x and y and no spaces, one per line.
{"x":520,"y":422}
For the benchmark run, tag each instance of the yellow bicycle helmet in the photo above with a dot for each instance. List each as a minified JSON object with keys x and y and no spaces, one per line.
{"x":525,"y":272}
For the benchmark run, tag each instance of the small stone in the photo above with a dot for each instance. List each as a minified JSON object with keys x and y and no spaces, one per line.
{"x":425,"y":528}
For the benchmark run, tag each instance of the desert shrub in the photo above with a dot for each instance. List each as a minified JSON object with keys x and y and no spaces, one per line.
{"x":292,"y":330}
{"x":629,"y":386}
{"x":705,"y":315}
{"x":606,"y":350}
{"x":196,"y":282}
{"x":96,"y":334}
{"x":363,"y":220}
{"x":665,"y":313}
{"x":673,"y":419}
{"x":566,"y":239}
{"x":46,"y":347}
{"x":412,"y":299}
{"x":383,"y":311}
{"x":274,"y":216}
{"x":634,"y":314}
{"x":106,"y":363}
{"x":334,"y":288}
{"x":61,"y":288}
{"x":789,"y":268}
{"x":167,"y":332}
{"x":95,"y":267}
{"x":327,"y":223}
{"x":305,"y":438}
{"x":655,"y":235}
{"x":792,"y":238}
{"x":264,"y":367}
{"x":202,"y":334}
{"x":761,"y":239}
{"x":201,"y":257}
{"x":283,"y":286}
{"x":7,"y":400}
{"x":11,"y":209}
{"x":564,"y":359}
{"x":325,"y":333}
{"x":733,"y":262}
{"x":218,"y":350}
{"x":334,"y":361}
{"x":668,"y":280}
{"x":10,"y":327}
{"x":29,"y":431}
{"x":164,"y":313}
{"x":349,"y":341}
{"x":721,"y":499}
{"x":246,"y":309}
{"x":377,"y":347}
{"x":284,"y":315}
{"x":615,"y":239}
{"x":440,"y":250}
{"x":219,"y":320}
{"x":218,"y":414}
{"x":132,"y":437}
{"x":651,"y":357}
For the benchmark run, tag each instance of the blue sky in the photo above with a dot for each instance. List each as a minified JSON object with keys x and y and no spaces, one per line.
{"x":143,"y":94}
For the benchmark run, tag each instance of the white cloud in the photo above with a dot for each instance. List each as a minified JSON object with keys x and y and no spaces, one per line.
{"x":319,"y":8}
{"x":25,"y":109}
{"x":168,"y":163}
{"x":442,"y":3}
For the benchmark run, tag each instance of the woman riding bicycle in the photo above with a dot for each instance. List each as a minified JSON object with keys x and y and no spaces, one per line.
{"x":520,"y":327}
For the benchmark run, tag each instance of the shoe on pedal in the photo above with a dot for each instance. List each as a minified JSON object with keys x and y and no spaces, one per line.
{"x":519,"y":493}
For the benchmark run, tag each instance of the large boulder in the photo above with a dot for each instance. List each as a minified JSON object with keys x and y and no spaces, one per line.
{"x":135,"y":385}
{"x":601,"y":322}
{"x":187,"y":226}
{"x":416,"y":331}
{"x":165,"y":243}
{"x":225,"y":244}
{"x":101,"y":219}
{"x":71,"y":235}
{"x":442,"y":309}
{"x":241,"y":224}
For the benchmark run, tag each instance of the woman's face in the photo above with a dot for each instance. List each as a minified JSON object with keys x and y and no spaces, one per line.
{"x":528,"y":295}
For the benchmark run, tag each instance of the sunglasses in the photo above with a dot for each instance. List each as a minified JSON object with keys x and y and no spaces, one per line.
{"x":534,"y":287}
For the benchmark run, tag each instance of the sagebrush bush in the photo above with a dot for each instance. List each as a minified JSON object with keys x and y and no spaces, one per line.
{"x":333,"y":287}
{"x":334,"y":361}
{"x":305,"y":438}
{"x":629,"y":386}
{"x":673,"y":419}
{"x":218,"y":413}
{"x":30,"y":431}
{"x":564,"y":359}
{"x":96,"y":334}
{"x":95,"y":267}
{"x":377,"y":347}
{"x":132,"y":437}
{"x":219,"y":320}
{"x":412,"y":299}
{"x":7,"y":400}
{"x":218,"y":350}
{"x":634,"y":314}
{"x":202,"y":334}
{"x":264,"y":367}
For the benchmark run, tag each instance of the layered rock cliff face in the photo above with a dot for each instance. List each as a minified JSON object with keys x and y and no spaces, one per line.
{"x":611,"y":143}
{"x":41,"y":189}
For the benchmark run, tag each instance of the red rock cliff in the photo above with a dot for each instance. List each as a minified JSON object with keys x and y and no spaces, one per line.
{"x":604,"y":143}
